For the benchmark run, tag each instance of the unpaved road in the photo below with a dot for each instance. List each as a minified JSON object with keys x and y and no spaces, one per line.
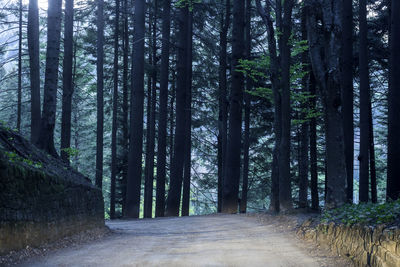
{"x":219,"y":240}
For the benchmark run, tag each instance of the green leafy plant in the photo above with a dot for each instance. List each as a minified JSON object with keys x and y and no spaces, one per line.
{"x":364,"y":213}
{"x":187,"y":3}
{"x":37,"y":165}
{"x":71,"y":151}
{"x":14,"y":157}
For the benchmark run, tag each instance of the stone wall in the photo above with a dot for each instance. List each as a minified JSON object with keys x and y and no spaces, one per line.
{"x":42,"y":200}
{"x":364,"y":245}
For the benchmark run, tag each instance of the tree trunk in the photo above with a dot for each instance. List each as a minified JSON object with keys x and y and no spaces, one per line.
{"x":274,"y":77}
{"x":115,"y":115}
{"x":151,"y":120}
{"x":326,"y":71}
{"x":125,"y":107}
{"x":176,"y":177}
{"x":222,"y":100}
{"x":100,"y":97}
{"x":313,"y":146}
{"x":46,"y":139}
{"x":246,"y":146}
{"x":76,"y":111}
{"x":34,"y":68}
{"x":67,"y":81}
{"x":233,"y":147}
{"x":374,"y":193}
{"x":19,"y":104}
{"x":393,"y":169}
{"x":134,"y":178}
{"x":163,"y":111}
{"x":347,"y":93}
{"x":148,"y":186}
{"x":364,"y":104}
{"x":303,"y":166}
{"x":246,"y":140}
{"x":171,"y":121}
{"x":304,"y":127}
{"x":285,"y":189}
{"x":188,"y":126}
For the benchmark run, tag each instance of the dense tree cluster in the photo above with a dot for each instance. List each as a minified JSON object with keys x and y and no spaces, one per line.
{"x":178,"y":107}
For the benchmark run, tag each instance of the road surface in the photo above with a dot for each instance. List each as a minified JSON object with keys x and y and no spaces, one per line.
{"x":218,"y":240}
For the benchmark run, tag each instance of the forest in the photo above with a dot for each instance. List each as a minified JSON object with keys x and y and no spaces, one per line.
{"x":190,"y":107}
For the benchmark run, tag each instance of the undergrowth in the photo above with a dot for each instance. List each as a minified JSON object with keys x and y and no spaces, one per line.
{"x":365,"y":213}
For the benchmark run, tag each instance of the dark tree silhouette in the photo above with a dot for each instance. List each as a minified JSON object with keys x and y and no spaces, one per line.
{"x":176,"y":177}
{"x":100,"y":94}
{"x":326,"y":70}
{"x":222,"y":99}
{"x":115,"y":114}
{"x":163,"y":111}
{"x":281,"y":197}
{"x":274,"y":77}
{"x":364,"y":104}
{"x":313,"y":145}
{"x":151,"y":116}
{"x":46,"y":138}
{"x":284,"y":21}
{"x":34,"y":68}
{"x":125,"y":106}
{"x":232,"y":163}
{"x":19,"y":97}
{"x":304,"y":127}
{"x":347,"y":93}
{"x":246,"y":139}
{"x":134,"y":177}
{"x":393,"y":168}
{"x":188,"y":124}
{"x":68,"y":87}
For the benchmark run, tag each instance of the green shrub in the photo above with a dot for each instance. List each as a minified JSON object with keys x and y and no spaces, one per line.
{"x":365,"y":213}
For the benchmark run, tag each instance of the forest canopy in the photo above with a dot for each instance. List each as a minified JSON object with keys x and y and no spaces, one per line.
{"x":184,"y":107}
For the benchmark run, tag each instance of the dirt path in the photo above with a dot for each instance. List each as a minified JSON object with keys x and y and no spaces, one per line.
{"x":219,"y":240}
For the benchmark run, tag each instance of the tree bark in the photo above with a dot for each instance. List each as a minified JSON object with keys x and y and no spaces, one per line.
{"x":347,"y":93}
{"x":68,"y":88}
{"x":76,"y":111}
{"x":285,"y":189}
{"x":222,"y":99}
{"x":19,"y":100}
{"x":151,"y":120}
{"x":326,"y":71}
{"x":304,"y":127}
{"x":274,"y":77}
{"x":125,"y":107}
{"x":46,"y":139}
{"x":393,"y":168}
{"x":176,"y":177}
{"x":233,"y":147}
{"x":188,"y":126}
{"x":364,"y":104}
{"x":303,"y":166}
{"x":246,"y":140}
{"x":163,"y":111}
{"x":134,"y":177}
{"x":100,"y":97}
{"x":313,"y":146}
{"x":374,"y":193}
{"x":171,"y":122}
{"x":115,"y":115}
{"x":280,"y":79}
{"x":34,"y":68}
